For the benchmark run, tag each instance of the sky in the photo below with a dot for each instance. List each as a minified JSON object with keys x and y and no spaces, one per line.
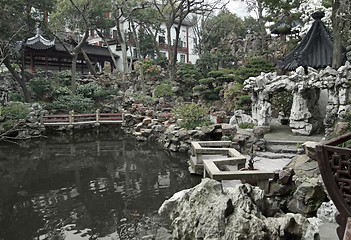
{"x":239,"y":8}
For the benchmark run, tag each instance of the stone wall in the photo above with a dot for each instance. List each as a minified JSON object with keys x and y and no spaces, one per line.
{"x":306,"y":88}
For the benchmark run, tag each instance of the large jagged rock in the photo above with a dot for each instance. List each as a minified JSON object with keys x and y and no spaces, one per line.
{"x":306,"y":89}
{"x":307,"y":198}
{"x":205,"y":212}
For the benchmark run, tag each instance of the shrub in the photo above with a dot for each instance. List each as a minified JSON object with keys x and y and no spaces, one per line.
{"x":63,"y":78}
{"x":17,"y":97}
{"x":149,"y":67}
{"x":164,"y":89}
{"x":8,"y":124}
{"x":76,"y":102}
{"x":199,"y":88}
{"x":161,"y":61}
{"x":88,"y":90}
{"x":253,"y":68}
{"x":282,"y":102}
{"x":15,"y":111}
{"x":244,"y":102}
{"x":215,"y":74}
{"x":192,"y":114}
{"x":41,"y":87}
{"x":61,"y":90}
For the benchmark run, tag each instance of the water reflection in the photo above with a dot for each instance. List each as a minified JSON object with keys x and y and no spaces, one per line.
{"x":87,"y":184}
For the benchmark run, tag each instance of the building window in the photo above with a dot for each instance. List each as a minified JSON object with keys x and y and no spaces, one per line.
{"x":161,"y":39}
{"x":182,"y":58}
{"x":163,"y":54}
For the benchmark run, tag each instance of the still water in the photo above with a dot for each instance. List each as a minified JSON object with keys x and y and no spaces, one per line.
{"x":87,"y":184}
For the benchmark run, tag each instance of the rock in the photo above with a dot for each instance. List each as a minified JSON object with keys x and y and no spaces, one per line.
{"x":107,"y":67}
{"x":310,"y":149}
{"x":304,"y":168}
{"x":327,"y":211}
{"x":228,"y":130}
{"x":147,"y":121}
{"x":285,"y":176}
{"x":240,"y":117}
{"x":208,"y":129}
{"x":199,"y":213}
{"x":341,"y":128}
{"x":260,"y":131}
{"x":307,"y":198}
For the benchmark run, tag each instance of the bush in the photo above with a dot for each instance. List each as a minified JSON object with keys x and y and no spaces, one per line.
{"x":8,"y":124}
{"x":253,"y":68}
{"x":76,"y":102}
{"x":161,"y":61}
{"x":88,"y":90}
{"x":17,"y":97}
{"x":244,"y":103}
{"x":164,"y":89}
{"x":215,"y":74}
{"x":15,"y":111}
{"x":41,"y":87}
{"x":192,"y":114}
{"x":149,"y":67}
{"x":61,"y":90}
{"x":63,"y":78}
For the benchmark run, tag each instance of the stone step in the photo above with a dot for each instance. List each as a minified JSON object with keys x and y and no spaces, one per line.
{"x":285,"y":149}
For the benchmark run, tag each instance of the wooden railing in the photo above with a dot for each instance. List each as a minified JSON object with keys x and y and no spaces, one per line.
{"x":334,"y":161}
{"x":71,"y":119}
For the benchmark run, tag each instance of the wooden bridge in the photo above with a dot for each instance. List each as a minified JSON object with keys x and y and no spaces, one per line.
{"x":72,"y":119}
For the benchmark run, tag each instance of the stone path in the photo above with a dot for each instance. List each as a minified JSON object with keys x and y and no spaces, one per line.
{"x":286,"y":145}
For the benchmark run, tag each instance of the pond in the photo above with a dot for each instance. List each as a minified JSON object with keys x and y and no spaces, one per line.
{"x":86,"y":186}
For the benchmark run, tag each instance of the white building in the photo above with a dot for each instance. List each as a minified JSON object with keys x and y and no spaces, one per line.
{"x":186,"y":44}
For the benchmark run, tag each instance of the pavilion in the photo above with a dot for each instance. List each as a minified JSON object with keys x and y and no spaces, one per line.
{"x":44,"y":54}
{"x":315,"y":50}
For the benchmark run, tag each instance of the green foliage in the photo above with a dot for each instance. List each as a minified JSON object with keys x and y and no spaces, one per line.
{"x":161,"y":61}
{"x":282,"y":102}
{"x":149,"y":67}
{"x":199,"y":88}
{"x":15,"y":111}
{"x":17,"y":97}
{"x":8,"y":124}
{"x":253,"y":68}
{"x":244,"y":103}
{"x":192,"y":114}
{"x":42,"y":88}
{"x":206,"y":62}
{"x":61,"y":90}
{"x":205,"y":81}
{"x":246,"y":125}
{"x":88,"y":90}
{"x":63,"y":78}
{"x":164,"y":89}
{"x":76,"y":102}
{"x":147,"y":43}
{"x":215,"y":74}
{"x":188,"y":76}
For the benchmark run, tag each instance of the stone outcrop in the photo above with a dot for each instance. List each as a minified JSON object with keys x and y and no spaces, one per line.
{"x":243,"y":212}
{"x":306,"y":89}
{"x":8,"y":86}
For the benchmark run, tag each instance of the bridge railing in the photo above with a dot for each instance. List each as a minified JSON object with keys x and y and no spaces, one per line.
{"x":77,"y":119}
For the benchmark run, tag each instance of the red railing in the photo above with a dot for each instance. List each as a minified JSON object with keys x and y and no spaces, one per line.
{"x":76,"y":119}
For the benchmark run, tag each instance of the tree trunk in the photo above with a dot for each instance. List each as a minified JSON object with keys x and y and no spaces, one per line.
{"x":337,"y":38}
{"x":108,"y":47}
{"x":74,"y":69}
{"x":90,"y":65}
{"x":18,"y":78}
{"x":170,"y":52}
{"x":137,"y":45}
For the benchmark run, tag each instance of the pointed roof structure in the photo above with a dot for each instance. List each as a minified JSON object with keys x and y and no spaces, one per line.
{"x":39,"y":42}
{"x":315,"y":50}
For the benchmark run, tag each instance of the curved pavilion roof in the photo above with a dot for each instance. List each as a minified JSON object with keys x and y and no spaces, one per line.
{"x":315,"y":50}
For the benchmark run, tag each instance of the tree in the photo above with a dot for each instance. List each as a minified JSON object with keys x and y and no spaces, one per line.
{"x":221,"y":26}
{"x":73,"y":16}
{"x":173,"y":14}
{"x":19,"y":20}
{"x":341,"y":21}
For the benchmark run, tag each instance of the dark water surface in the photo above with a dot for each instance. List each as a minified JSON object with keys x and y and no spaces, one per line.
{"x":86,"y":184}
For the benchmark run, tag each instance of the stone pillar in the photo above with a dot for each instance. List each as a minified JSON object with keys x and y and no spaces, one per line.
{"x":261,"y":108}
{"x":107,"y":67}
{"x":304,"y":111}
